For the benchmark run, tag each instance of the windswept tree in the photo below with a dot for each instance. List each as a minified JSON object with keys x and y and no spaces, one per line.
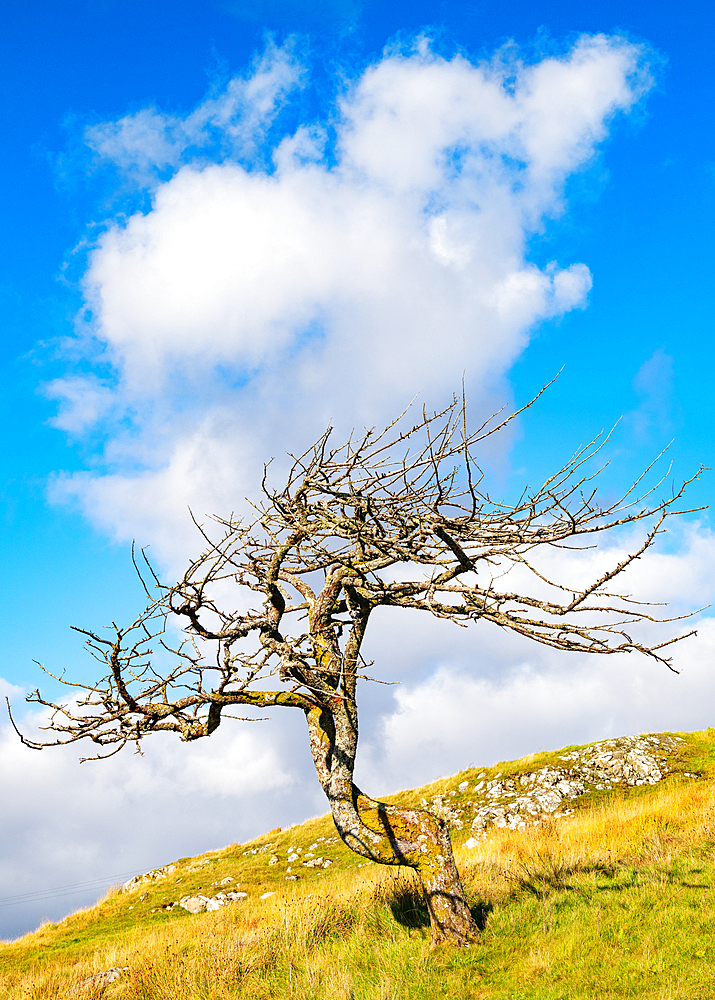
{"x":275,"y":610}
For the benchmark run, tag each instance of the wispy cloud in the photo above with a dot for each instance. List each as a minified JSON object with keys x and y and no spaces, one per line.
{"x":83,"y":401}
{"x":657,"y":412}
{"x":230,"y":122}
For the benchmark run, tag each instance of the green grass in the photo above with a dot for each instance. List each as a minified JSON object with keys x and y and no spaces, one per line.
{"x":618,"y":900}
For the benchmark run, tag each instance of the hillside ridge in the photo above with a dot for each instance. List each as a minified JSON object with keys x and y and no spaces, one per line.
{"x":536,"y":828}
{"x":514,"y":798}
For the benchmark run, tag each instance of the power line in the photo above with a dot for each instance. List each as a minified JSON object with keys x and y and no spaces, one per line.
{"x":66,"y":890}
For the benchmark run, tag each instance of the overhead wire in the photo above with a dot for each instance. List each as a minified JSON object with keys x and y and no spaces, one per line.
{"x":66,"y":890}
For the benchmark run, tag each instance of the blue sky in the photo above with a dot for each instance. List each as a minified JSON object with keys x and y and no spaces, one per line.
{"x":636,"y":210}
{"x":639,"y":219}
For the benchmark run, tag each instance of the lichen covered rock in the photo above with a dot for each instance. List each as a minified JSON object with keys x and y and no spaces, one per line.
{"x":517,"y":801}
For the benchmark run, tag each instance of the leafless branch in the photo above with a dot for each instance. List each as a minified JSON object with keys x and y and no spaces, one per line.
{"x":319,"y":556}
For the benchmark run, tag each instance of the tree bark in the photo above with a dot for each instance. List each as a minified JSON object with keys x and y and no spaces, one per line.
{"x":419,"y":840}
{"x":388,"y":834}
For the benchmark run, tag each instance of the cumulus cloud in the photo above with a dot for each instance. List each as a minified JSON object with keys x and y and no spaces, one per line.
{"x":454,"y":718}
{"x":381,"y":253}
{"x":65,"y":826}
{"x":483,"y":695}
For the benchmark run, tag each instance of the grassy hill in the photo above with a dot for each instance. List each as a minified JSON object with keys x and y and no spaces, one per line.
{"x":616,"y":899}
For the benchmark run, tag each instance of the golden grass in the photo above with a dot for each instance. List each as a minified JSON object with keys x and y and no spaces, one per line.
{"x":614,"y":901}
{"x":649,"y":826}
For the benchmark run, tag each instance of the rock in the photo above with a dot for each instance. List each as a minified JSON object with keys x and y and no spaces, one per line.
{"x":194,"y":904}
{"x":104,"y":978}
{"x":197,"y":904}
{"x":259,"y":850}
{"x":452,"y":816}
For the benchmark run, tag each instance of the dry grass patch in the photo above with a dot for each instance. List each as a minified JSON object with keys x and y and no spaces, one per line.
{"x":616,"y":901}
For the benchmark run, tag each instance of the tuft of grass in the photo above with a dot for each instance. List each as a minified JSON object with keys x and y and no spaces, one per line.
{"x":615,"y":901}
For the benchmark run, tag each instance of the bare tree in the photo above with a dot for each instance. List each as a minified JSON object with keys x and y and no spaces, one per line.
{"x":285,"y":601}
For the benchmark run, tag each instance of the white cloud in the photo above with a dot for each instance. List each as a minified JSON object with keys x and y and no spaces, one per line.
{"x":8,"y":690}
{"x":63,"y":823}
{"x":482,"y":695}
{"x":83,"y":400}
{"x":454,"y":718}
{"x":232,"y":121}
{"x":250,"y":306}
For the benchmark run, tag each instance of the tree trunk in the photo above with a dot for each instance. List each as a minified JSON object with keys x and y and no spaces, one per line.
{"x":417,"y":839}
{"x":386,"y":834}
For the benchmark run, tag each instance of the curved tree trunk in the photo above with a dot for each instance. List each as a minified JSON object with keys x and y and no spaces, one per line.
{"x":388,"y":834}
{"x":421,"y":841}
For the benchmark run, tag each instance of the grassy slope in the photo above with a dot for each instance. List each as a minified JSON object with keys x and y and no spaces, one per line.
{"x":615,"y":901}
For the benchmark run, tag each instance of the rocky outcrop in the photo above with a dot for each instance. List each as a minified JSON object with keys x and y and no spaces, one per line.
{"x":441,"y":806}
{"x":152,"y":876}
{"x":519,"y":800}
{"x":513,"y":801}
